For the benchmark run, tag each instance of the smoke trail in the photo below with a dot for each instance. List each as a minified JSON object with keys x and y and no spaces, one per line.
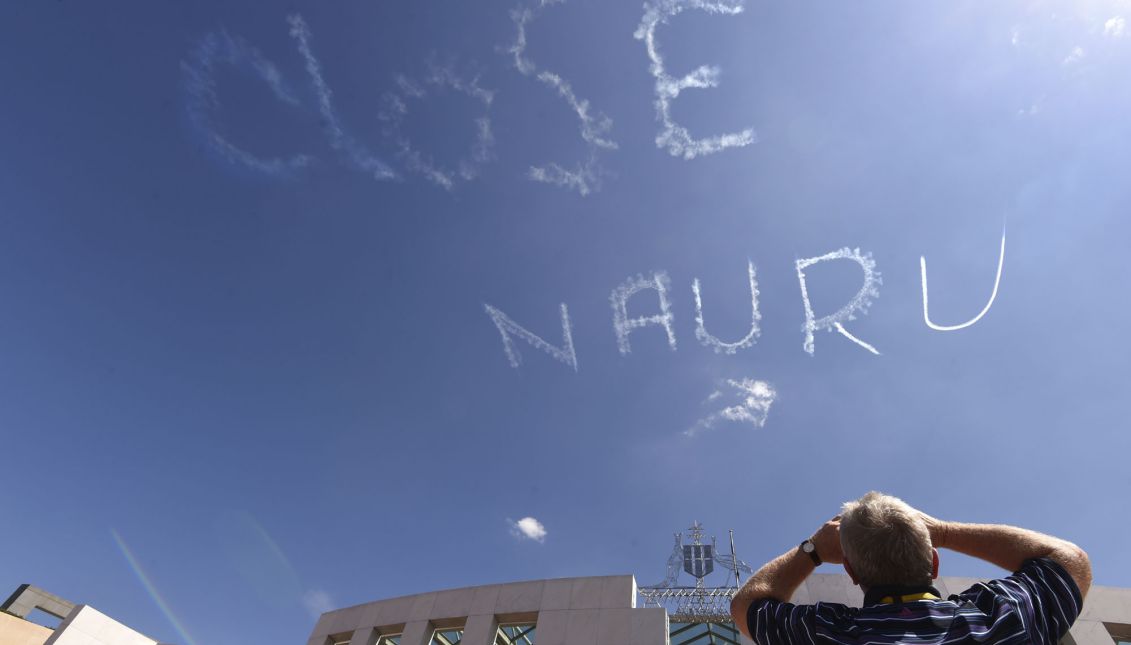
{"x":858,"y":305}
{"x":623,"y":325}
{"x":673,"y":136}
{"x":585,"y":177}
{"x":353,"y":151}
{"x":508,"y":328}
{"x":202,"y":100}
{"x":746,"y":341}
{"x":993,"y":295}
{"x":395,"y":110}
{"x":753,"y":407}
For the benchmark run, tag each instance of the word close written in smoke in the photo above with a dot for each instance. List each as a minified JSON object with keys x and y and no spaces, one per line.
{"x":658,"y":283}
{"x":220,"y":49}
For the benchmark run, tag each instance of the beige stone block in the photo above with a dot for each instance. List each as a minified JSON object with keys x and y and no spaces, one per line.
{"x":480,"y":630}
{"x":614,"y":626}
{"x":552,"y":627}
{"x":394,"y":611}
{"x":586,"y":593}
{"x":801,"y":596}
{"x":421,"y":607}
{"x":364,"y":636}
{"x":18,"y":631}
{"x":833,"y":588}
{"x":556,"y":594}
{"x":1090,"y":632}
{"x":368,"y":614}
{"x":344,"y":620}
{"x":417,"y":633}
{"x":956,"y":585}
{"x":519,"y":597}
{"x":581,"y":626}
{"x":321,"y":628}
{"x":453,"y":603}
{"x":649,"y":626}
{"x":1109,"y":604}
{"x":86,"y":625}
{"x":484,"y":599}
{"x":618,"y":591}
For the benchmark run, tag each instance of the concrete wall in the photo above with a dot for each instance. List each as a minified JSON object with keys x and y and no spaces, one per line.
{"x":28,"y":598}
{"x":88,"y":626}
{"x":577,"y":611}
{"x":17,"y":631}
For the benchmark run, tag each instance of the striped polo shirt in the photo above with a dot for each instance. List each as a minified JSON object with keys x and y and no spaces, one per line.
{"x":1036,"y":605}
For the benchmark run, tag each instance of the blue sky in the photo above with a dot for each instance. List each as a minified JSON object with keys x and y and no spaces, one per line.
{"x":246,"y":367}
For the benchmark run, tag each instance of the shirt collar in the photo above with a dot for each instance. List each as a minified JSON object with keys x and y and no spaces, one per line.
{"x":887,"y":594}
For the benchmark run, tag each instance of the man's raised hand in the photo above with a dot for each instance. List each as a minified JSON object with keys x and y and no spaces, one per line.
{"x":827,"y":542}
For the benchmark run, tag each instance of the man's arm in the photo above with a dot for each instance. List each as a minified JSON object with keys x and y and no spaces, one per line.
{"x":780,"y":577}
{"x":1009,"y":546}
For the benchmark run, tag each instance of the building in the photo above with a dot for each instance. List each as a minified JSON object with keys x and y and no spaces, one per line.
{"x":613,"y":610}
{"x":80,"y":624}
{"x":603,"y":611}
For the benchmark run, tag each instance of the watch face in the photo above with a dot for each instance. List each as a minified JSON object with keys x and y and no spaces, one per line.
{"x":807,"y":546}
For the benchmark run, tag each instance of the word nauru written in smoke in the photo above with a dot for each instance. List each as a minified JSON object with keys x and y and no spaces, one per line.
{"x":659,"y":283}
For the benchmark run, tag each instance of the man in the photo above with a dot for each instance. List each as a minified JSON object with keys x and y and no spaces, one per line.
{"x":888,"y":548}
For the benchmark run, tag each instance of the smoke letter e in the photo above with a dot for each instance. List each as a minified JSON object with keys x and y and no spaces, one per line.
{"x":859,"y":303}
{"x":673,"y":137}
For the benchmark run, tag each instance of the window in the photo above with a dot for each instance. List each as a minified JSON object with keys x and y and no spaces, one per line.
{"x":713,"y":633}
{"x":447,"y":636}
{"x":522,"y":634}
{"x":42,"y":618}
{"x":389,"y":640}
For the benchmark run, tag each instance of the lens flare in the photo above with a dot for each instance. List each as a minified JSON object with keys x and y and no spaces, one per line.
{"x":162,"y":604}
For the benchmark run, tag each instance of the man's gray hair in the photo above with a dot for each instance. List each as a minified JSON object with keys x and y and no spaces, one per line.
{"x":886,"y":541}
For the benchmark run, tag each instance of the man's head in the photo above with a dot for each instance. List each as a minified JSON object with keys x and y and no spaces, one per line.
{"x":886,"y":542}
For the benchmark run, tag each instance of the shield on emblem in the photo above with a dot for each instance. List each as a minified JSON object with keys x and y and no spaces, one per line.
{"x":698,"y":559}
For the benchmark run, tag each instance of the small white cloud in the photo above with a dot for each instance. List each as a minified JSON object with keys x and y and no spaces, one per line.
{"x":528,"y":528}
{"x":1015,"y":36}
{"x":1034,"y":108}
{"x":1078,"y":54}
{"x":1115,"y":26}
{"x":317,"y":602}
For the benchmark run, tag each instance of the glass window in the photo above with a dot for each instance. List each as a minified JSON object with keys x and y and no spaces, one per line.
{"x":686,"y":633}
{"x":447,"y":636}
{"x":515,"y":635}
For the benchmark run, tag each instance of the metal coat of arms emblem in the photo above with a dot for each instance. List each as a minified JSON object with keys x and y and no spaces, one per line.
{"x":698,"y":559}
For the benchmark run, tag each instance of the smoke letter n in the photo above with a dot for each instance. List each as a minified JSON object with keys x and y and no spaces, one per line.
{"x":509,"y":329}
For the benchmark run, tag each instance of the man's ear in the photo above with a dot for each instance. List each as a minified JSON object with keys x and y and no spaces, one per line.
{"x":934,"y":564}
{"x":852,"y":574}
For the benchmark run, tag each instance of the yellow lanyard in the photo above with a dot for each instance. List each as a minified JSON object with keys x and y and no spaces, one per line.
{"x":909,"y":598}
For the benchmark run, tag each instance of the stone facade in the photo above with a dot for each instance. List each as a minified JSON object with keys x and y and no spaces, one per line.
{"x":602,"y":611}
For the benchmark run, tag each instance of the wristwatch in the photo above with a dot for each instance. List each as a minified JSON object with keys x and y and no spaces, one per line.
{"x":811,"y":549}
